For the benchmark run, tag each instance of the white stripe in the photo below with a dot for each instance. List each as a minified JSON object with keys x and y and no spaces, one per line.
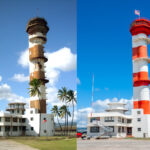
{"x":139,"y":40}
{"x":37,"y":34}
{"x":36,"y":42}
{"x":33,"y":65}
{"x":141,"y":93}
{"x":140,"y":65}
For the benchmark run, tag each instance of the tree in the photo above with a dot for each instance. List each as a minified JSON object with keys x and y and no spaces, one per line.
{"x":64,"y":112}
{"x":34,"y":90}
{"x":71,"y":99}
{"x":56,"y":113}
{"x":62,"y":95}
{"x":34,"y":87}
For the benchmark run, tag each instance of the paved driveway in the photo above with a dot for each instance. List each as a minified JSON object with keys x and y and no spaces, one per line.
{"x":12,"y":145}
{"x":113,"y":144}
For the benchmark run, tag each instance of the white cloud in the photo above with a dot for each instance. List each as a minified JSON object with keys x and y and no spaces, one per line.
{"x":78,"y":81}
{"x":0,"y":78}
{"x":24,"y":58}
{"x":20,"y":78}
{"x":63,"y":59}
{"x":7,"y":94}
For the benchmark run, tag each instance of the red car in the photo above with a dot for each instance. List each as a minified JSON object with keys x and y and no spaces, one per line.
{"x":79,"y":134}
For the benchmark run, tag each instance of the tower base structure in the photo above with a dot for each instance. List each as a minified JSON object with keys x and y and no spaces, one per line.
{"x":140,"y":124}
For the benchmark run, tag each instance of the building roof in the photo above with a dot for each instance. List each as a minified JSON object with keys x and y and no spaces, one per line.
{"x":109,"y":114}
{"x":116,"y":103}
{"x":21,"y":103}
{"x":37,"y":24}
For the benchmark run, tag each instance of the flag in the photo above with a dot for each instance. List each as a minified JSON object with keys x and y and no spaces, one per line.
{"x":137,"y":12}
{"x":44,"y":120}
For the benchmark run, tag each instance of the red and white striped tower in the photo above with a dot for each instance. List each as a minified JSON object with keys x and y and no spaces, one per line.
{"x":37,"y":29}
{"x":140,"y":30}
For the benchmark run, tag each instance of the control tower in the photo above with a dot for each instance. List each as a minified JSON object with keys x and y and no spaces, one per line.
{"x":140,"y":30}
{"x":37,"y":29}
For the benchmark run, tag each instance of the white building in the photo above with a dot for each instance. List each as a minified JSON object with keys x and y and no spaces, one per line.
{"x":113,"y":122}
{"x":31,"y":123}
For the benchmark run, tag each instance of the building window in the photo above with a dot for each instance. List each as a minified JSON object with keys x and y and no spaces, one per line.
{"x":0,"y":129}
{"x":129,"y":121}
{"x":20,"y":120}
{"x":45,"y":131}
{"x":139,"y":129}
{"x":109,"y":119}
{"x":0,"y":119}
{"x":119,"y":129}
{"x":94,"y":129}
{"x":15,"y":128}
{"x":122,"y":120}
{"x":31,"y":118}
{"x":119,"y":119}
{"x":112,"y":127}
{"x":138,"y":119}
{"x":14,"y":119}
{"x":123,"y":129}
{"x":32,"y":128}
{"x":7,"y":119}
{"x":20,"y":128}
{"x":95,"y":119}
{"x":17,"y":111}
{"x":31,"y":112}
{"x":12,"y":111}
{"x":7,"y":128}
{"x":23,"y":120}
{"x":138,"y":112}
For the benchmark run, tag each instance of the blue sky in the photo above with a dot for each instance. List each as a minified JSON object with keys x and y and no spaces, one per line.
{"x":61,"y":18}
{"x":104,"y":48}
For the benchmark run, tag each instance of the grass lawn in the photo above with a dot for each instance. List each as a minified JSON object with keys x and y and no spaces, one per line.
{"x":48,"y":143}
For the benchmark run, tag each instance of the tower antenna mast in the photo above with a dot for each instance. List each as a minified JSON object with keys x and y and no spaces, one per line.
{"x":92,"y":95}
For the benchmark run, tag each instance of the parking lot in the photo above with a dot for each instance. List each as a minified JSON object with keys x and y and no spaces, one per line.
{"x":113,"y":144}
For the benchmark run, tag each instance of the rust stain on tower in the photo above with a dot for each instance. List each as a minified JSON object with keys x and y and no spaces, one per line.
{"x":37,"y":29}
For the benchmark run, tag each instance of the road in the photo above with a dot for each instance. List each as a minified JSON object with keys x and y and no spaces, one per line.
{"x":12,"y":145}
{"x":113,"y":144}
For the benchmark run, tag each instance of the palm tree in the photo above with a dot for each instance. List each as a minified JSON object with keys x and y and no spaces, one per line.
{"x":34,"y":90}
{"x":62,"y":95}
{"x":34,"y":87}
{"x":71,"y":99}
{"x":56,"y":113}
{"x":64,"y":112}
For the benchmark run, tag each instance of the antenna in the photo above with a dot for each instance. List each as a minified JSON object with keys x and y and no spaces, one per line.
{"x":37,"y":11}
{"x":92,"y":94}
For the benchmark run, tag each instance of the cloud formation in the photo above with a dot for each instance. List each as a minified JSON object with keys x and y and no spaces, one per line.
{"x":78,"y":81}
{"x":20,"y":78}
{"x":24,"y":58}
{"x":7,"y":94}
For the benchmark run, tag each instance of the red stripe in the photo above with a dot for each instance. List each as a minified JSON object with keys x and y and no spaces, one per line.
{"x":140,"y":76}
{"x":140,"y":51}
{"x":143,"y":104}
{"x":141,"y":83}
